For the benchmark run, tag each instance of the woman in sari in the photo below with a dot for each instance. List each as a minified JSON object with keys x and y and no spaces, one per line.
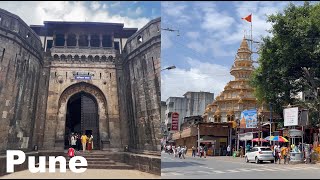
{"x":90,"y":143}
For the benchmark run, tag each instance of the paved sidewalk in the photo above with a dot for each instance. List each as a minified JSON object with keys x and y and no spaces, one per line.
{"x":88,"y":174}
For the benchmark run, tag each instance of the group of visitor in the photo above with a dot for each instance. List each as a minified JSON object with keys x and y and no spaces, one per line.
{"x":75,"y":142}
{"x":179,"y":151}
{"x":279,"y":153}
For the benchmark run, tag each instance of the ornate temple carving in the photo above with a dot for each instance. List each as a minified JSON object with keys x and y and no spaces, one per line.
{"x":237,"y":94}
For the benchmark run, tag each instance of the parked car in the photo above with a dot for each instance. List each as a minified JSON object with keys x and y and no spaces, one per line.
{"x":259,"y":154}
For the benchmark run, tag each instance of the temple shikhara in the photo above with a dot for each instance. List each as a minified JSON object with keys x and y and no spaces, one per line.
{"x":237,"y":94}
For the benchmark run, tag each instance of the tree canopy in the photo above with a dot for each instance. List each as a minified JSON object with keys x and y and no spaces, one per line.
{"x":289,"y":60}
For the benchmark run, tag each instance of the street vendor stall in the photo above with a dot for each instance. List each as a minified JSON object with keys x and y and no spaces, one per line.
{"x":295,"y":154}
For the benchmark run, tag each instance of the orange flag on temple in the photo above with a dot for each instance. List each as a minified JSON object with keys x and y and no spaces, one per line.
{"x":248,"y":18}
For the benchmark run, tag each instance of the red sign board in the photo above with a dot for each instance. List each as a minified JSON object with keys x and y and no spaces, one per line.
{"x":175,"y":121}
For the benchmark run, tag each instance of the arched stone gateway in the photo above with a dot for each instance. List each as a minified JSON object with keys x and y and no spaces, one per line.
{"x":94,"y":115}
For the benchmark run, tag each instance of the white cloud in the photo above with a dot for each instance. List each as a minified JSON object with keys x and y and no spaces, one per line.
{"x":200,"y":77}
{"x":166,"y":41}
{"x":175,"y":10}
{"x":139,"y":11}
{"x":198,"y":46}
{"x":193,"y":34}
{"x":95,"y":5}
{"x":116,"y":4}
{"x":212,"y":19}
{"x":36,"y":12}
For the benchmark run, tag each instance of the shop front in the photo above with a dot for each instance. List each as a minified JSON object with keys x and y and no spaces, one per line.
{"x":212,"y":135}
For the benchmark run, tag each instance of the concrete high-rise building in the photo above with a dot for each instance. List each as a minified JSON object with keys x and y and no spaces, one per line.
{"x":192,"y":104}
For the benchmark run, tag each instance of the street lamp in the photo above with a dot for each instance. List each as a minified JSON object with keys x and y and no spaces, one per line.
{"x":168,"y":68}
{"x":238,"y":130}
{"x":198,"y":127}
{"x":268,"y":123}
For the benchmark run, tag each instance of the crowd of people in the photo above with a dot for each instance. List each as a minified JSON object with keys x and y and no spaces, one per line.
{"x":179,"y":151}
{"x":76,"y":141}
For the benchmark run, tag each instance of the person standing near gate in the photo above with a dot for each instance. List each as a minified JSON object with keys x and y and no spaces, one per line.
{"x":78,"y":142}
{"x":84,"y":139}
{"x":90,"y":143}
{"x":73,"y":141}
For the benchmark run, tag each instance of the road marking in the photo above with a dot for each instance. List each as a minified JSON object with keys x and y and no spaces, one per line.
{"x":164,"y":174}
{"x":296,"y":168}
{"x":269,"y":169}
{"x":218,"y":172}
{"x":206,"y":167}
{"x":246,"y":170}
{"x":233,"y":171}
{"x":255,"y":169}
{"x":283,"y":169}
{"x":176,"y":174}
{"x":205,"y":172}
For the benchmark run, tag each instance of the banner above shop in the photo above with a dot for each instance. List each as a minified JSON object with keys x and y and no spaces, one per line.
{"x":246,"y":136}
{"x":175,"y":121}
{"x":249,"y":119}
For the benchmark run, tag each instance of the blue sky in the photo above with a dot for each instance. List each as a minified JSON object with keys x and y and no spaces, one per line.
{"x":210,"y":35}
{"x":131,"y":13}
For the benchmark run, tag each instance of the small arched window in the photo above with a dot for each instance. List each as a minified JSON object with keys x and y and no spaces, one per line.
{"x":139,"y":39}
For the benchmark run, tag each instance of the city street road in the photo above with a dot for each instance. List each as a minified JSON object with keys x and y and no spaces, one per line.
{"x":230,"y":167}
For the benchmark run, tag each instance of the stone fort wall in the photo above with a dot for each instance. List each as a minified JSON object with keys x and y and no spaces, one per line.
{"x":21,"y":64}
{"x":139,"y":87}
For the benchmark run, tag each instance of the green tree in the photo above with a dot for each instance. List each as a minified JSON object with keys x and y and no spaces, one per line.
{"x":289,"y":61}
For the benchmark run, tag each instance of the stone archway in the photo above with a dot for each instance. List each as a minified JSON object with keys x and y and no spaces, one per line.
{"x":103,"y":121}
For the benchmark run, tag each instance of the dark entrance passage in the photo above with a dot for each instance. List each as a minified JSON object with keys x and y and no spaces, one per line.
{"x":82,"y":117}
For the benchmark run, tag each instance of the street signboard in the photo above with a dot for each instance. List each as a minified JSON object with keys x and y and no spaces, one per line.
{"x":291,"y":116}
{"x":246,"y":136}
{"x":175,"y":121}
{"x":250,"y":118}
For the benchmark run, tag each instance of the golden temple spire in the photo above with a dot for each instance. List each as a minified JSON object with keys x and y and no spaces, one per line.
{"x":244,"y":44}
{"x":242,"y":67}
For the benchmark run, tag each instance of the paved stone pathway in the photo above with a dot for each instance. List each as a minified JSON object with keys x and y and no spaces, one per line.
{"x":88,"y":174}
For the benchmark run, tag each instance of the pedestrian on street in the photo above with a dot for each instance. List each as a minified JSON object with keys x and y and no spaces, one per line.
{"x":185,"y":150}
{"x":182,"y":152}
{"x":193,"y":151}
{"x":275,"y":154}
{"x":168,"y":149}
{"x":179,"y":151}
{"x":205,"y":150}
{"x":285,"y":152}
{"x":241,"y":152}
{"x":200,"y":151}
{"x":248,"y":147}
{"x":279,"y":154}
{"x":228,"y":150}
